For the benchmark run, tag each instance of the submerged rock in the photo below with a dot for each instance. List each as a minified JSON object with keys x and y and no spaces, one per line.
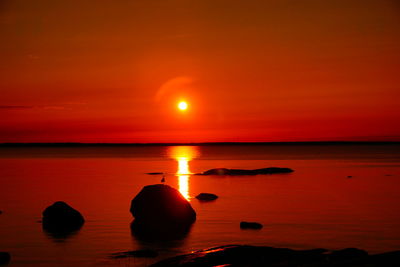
{"x":5,"y":257}
{"x":206,"y":197}
{"x":143,"y":253}
{"x":250,"y":225}
{"x":60,"y":218}
{"x":161,"y":210}
{"x":241,"y":255}
{"x":224,"y":171}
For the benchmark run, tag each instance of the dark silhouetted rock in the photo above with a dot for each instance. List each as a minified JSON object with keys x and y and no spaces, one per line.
{"x":161,"y":210}
{"x":250,"y":225}
{"x":60,"y":219}
{"x":5,"y":257}
{"x":1,"y":211}
{"x":349,"y":176}
{"x":143,"y":253}
{"x":155,"y":173}
{"x":238,"y":255}
{"x":206,"y":197}
{"x":388,"y":259}
{"x":347,"y":254}
{"x":224,"y":171}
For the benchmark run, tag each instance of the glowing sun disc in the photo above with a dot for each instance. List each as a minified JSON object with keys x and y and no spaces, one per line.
{"x":182,"y":105}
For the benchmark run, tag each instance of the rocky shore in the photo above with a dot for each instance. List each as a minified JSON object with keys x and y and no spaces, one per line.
{"x":243,"y":255}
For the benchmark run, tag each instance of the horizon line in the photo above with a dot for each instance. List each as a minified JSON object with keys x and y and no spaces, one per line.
{"x":55,"y":144}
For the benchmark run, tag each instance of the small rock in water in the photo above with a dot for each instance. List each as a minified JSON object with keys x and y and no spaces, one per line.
{"x":143,"y":253}
{"x":250,"y":225}
{"x":155,"y":173}
{"x":61,"y":217}
{"x":1,"y":211}
{"x":5,"y":257}
{"x":349,"y":176}
{"x":206,"y":197}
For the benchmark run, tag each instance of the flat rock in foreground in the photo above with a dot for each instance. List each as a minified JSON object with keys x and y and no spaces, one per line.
{"x":5,"y":258}
{"x":225,"y":171}
{"x":242,"y":255}
{"x":144,"y":253}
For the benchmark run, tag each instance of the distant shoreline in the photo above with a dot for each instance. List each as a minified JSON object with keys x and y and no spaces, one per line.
{"x":77,"y":144}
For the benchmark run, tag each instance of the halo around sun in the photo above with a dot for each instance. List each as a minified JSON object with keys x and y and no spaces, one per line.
{"x":182,"y":105}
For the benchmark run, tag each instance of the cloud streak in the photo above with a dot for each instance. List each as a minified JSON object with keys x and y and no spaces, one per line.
{"x":15,"y":107}
{"x":55,"y":106}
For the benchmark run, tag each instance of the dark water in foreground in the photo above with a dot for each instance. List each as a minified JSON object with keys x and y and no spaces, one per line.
{"x":316,"y":206}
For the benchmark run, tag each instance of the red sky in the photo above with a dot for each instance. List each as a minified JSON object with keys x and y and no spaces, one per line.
{"x":271,"y":70}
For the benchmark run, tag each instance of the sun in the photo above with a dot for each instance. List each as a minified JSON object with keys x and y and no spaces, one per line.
{"x":183,"y":105}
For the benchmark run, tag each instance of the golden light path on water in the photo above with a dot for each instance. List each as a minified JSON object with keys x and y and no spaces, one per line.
{"x":183,"y":155}
{"x":183,"y":174}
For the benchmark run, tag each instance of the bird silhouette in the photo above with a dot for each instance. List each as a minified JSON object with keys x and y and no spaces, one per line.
{"x":163,"y":179}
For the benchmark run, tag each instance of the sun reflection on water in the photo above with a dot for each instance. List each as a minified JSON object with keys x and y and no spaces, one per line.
{"x":183,"y":155}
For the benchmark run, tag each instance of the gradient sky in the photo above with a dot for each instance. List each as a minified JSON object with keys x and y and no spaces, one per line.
{"x":267,"y":70}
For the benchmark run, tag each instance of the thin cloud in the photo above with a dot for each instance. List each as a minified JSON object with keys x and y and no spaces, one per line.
{"x":15,"y":107}
{"x":54,"y":107}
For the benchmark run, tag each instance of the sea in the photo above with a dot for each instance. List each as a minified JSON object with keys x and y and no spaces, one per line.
{"x":339,"y":196}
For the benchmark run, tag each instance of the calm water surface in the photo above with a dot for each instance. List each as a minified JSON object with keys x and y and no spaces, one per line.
{"x":316,"y":206}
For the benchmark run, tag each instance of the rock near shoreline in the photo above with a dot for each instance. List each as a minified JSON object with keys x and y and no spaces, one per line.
{"x":5,"y":258}
{"x":143,"y":253}
{"x":242,"y":255}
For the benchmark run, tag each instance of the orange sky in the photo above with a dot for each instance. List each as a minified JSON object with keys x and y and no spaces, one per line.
{"x":270,"y":70}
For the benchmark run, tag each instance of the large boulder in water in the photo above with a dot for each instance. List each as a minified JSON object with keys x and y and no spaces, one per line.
{"x":62,"y":218}
{"x":160,"y":209}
